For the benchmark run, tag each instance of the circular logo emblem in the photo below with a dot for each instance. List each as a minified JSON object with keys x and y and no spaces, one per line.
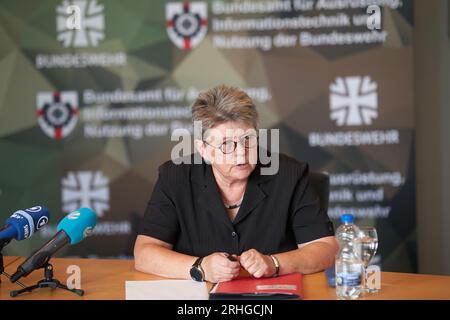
{"x":57,"y":113}
{"x":186,"y":25}
{"x":41,"y":222}
{"x":87,"y":232}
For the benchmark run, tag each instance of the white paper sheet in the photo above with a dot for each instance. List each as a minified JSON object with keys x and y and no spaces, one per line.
{"x":166,"y":290}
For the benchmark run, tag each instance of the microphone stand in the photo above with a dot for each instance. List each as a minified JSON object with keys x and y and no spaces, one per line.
{"x":3,"y":243}
{"x":47,"y":282}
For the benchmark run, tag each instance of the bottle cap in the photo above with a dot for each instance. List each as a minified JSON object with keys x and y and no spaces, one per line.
{"x":347,"y":218}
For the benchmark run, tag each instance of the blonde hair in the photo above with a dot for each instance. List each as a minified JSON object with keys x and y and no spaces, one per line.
{"x":222,"y":104}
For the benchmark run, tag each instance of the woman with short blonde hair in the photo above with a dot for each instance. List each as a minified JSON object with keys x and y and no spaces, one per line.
{"x":210,"y":221}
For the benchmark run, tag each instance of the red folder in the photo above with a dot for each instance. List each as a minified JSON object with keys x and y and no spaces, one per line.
{"x":282,"y":287}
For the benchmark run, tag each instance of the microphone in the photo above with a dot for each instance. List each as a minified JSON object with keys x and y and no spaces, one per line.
{"x":73,"y":228}
{"x":23,"y":223}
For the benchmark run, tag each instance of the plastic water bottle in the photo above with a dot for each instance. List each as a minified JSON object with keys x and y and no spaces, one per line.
{"x":349,"y":268}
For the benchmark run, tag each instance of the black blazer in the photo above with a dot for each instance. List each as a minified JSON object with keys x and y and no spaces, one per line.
{"x":277,"y":213}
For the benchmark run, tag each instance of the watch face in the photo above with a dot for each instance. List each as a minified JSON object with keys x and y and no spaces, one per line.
{"x":196,"y":274}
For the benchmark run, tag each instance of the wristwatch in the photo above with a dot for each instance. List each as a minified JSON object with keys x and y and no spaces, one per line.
{"x":197,"y":272}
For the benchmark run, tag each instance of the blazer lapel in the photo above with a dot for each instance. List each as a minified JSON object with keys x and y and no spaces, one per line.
{"x":209,"y":196}
{"x":253,"y":196}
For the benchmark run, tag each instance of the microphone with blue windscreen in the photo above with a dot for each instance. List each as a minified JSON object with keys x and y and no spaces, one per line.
{"x":23,"y":223}
{"x":73,"y":228}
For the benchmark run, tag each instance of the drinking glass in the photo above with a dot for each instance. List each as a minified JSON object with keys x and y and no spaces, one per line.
{"x":365,"y":246}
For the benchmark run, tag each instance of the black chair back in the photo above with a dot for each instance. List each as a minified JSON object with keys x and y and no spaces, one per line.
{"x":320,"y":181}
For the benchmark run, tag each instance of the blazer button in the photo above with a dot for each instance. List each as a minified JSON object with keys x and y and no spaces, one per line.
{"x":234,"y":234}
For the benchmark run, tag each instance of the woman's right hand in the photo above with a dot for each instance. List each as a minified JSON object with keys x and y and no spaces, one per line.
{"x":219,"y":268}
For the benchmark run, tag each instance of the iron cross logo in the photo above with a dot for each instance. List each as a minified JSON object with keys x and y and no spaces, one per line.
{"x":354,"y":101}
{"x":85,"y":189}
{"x":80,"y":23}
{"x":186,"y":23}
{"x":57,"y":113}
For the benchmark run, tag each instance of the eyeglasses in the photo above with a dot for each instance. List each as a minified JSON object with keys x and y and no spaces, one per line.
{"x":248,"y":142}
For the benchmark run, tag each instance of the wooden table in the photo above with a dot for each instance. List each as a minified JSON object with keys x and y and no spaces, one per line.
{"x":105,"y":280}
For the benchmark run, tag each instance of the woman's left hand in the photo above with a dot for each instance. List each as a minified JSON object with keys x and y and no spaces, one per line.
{"x":257,"y":264}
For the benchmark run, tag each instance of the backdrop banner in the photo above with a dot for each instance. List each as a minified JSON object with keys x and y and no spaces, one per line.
{"x":92,"y":90}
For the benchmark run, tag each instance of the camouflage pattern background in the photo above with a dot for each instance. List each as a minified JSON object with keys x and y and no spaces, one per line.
{"x":86,"y":114}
